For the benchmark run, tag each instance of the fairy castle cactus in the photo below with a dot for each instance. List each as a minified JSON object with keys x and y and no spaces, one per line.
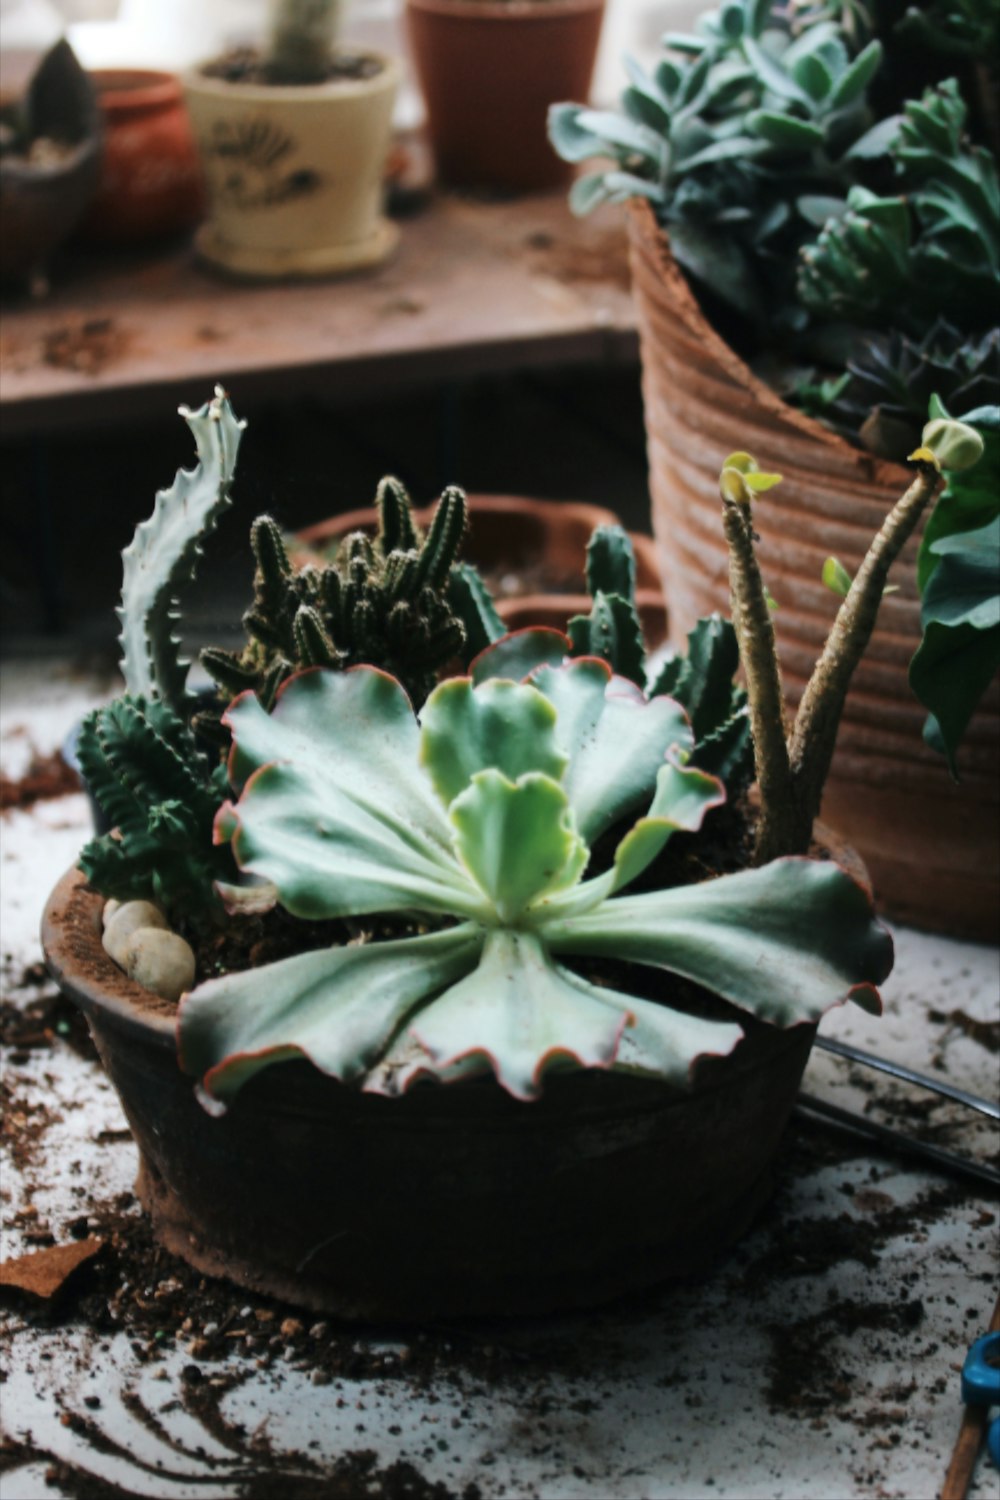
{"x":792,"y":760}
{"x":301,"y":39}
{"x":383,"y":601}
{"x":164,"y":552}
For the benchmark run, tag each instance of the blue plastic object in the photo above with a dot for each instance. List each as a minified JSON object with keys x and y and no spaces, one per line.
{"x":981,"y":1385}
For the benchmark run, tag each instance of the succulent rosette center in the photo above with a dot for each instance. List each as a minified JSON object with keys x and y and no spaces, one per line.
{"x":474,"y":826}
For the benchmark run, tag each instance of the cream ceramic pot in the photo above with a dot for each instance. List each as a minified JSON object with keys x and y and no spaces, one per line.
{"x":294,"y":173}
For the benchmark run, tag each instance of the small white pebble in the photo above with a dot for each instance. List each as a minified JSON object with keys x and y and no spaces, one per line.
{"x":160,"y":961}
{"x":110,"y":907}
{"x":129,"y":919}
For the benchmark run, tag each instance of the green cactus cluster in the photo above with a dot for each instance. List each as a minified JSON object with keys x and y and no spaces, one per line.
{"x":384,"y":601}
{"x":884,"y":395}
{"x":700,"y":680}
{"x":814,"y":206}
{"x":142,"y":764}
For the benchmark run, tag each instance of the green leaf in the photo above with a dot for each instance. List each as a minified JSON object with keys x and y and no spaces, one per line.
{"x":353,"y":829}
{"x":505,"y":725}
{"x":784,"y":942}
{"x":772,"y":75}
{"x":521,"y":1013}
{"x":339,"y":1007}
{"x":517,"y":840}
{"x":622,"y":135}
{"x":971,"y":498}
{"x":614,"y":739}
{"x":952,"y":668}
{"x":876,"y":142}
{"x":587,"y":192}
{"x":836,"y":578}
{"x":517,"y":655}
{"x":852,"y":83}
{"x":683,"y":796}
{"x":717,"y":261}
{"x":572,"y":139}
{"x":785,"y":131}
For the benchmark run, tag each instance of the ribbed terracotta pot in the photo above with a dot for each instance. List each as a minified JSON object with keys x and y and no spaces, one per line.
{"x":456,"y":1200}
{"x":534,"y":540}
{"x":489,"y":69}
{"x":931,"y":845}
{"x":151,"y":183}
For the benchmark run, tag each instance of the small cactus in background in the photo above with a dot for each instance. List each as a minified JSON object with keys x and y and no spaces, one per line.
{"x":383,"y":601}
{"x":301,"y":41}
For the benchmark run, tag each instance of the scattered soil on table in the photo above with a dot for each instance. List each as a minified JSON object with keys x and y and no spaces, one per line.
{"x":47,"y":776}
{"x":602,"y":261}
{"x":986,"y":1033}
{"x":246,"y":65}
{"x":86,"y":348}
{"x":26,"y":1028}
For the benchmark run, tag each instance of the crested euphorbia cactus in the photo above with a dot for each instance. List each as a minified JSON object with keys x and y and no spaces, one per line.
{"x":475,"y":826}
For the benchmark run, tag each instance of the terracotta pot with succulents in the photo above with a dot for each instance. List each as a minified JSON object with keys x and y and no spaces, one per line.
{"x":489,"y":69}
{"x":293,"y":142}
{"x":416,"y":994}
{"x":815,"y":230}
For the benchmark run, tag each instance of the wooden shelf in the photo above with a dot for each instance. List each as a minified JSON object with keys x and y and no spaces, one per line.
{"x":474,"y":288}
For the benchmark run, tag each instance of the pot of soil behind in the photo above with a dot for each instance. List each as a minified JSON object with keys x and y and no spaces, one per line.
{"x":489,"y":69}
{"x":532,"y":553}
{"x":151,"y":184}
{"x":294,"y":172}
{"x":930,"y":844}
{"x":451,"y":1200}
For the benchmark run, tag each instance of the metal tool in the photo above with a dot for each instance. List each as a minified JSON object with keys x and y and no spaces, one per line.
{"x":896,"y":1140}
{"x":980,"y":1391}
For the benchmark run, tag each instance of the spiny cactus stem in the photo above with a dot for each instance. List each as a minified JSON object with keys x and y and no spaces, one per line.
{"x":755,"y":632}
{"x":814,"y":732}
{"x":444,"y":538}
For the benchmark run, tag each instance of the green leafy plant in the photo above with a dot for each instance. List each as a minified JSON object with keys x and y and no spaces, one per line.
{"x":792,"y":760}
{"x":796,"y":197}
{"x":137,"y":754}
{"x":475,"y":826}
{"x":143,"y":766}
{"x":959,"y":576}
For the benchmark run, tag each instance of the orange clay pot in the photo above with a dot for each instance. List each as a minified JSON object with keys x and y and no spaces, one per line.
{"x":151,"y":183}
{"x":489,"y":70}
{"x":931,"y":845}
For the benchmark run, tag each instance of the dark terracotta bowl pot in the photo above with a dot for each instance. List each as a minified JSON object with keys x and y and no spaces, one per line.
{"x":448,"y":1201}
{"x":931,"y":844}
{"x":151,"y":184}
{"x":540,"y":544}
{"x":489,"y":69}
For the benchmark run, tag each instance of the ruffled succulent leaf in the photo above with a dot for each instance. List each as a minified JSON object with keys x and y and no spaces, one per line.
{"x":615,"y":740}
{"x":351,"y":828}
{"x":784,"y":942}
{"x":517,"y":655}
{"x":339,"y":1007}
{"x":499,"y":724}
{"x":517,"y":840}
{"x":339,"y":815}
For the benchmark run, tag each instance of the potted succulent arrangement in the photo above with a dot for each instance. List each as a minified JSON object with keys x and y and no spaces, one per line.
{"x":464,"y":976}
{"x":489,"y":69}
{"x":293,"y":142}
{"x":815,"y":236}
{"x":50,"y":163}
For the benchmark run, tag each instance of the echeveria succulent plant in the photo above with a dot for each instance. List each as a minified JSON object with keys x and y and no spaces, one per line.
{"x":475,"y":826}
